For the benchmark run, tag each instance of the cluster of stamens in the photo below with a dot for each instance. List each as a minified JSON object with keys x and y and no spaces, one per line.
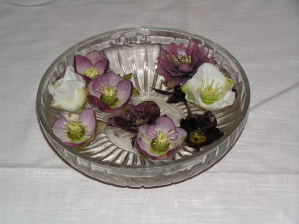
{"x":208,"y":94}
{"x":160,"y":140}
{"x":108,"y":93}
{"x":75,"y":129}
{"x":91,"y":72}
{"x":179,"y":59}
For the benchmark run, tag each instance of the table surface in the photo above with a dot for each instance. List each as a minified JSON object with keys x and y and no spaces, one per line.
{"x":256,"y":182}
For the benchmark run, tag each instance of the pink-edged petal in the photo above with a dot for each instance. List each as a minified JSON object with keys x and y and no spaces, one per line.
{"x":184,"y":67}
{"x":107,"y":79}
{"x":102,"y":66}
{"x":165,"y":124}
{"x":181,"y":134}
{"x":124,"y":91}
{"x":88,"y":119}
{"x":81,"y":64}
{"x":58,"y":128}
{"x":91,"y":91}
{"x":150,"y":131}
{"x":94,"y":57}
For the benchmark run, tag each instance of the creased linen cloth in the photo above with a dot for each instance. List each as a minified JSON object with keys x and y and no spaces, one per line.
{"x":256,"y":182}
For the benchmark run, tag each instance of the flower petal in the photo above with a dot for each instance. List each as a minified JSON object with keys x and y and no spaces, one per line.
{"x":81,"y":64}
{"x":165,"y":124}
{"x":124,"y":92}
{"x":94,"y":57}
{"x":88,"y":119}
{"x":185,"y":67}
{"x":149,"y":109}
{"x":58,"y":128}
{"x":99,"y":104}
{"x":102,"y":66}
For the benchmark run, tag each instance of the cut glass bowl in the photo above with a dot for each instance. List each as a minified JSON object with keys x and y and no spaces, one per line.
{"x":110,"y":157}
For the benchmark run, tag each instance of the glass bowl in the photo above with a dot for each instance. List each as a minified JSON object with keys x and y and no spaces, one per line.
{"x":110,"y":157}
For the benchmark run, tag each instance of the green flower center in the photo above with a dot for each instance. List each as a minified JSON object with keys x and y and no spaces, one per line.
{"x":75,"y":130}
{"x":161,"y":141}
{"x":109,"y":95}
{"x":180,"y":59}
{"x":197,"y":137}
{"x":91,"y":72}
{"x":208,"y":93}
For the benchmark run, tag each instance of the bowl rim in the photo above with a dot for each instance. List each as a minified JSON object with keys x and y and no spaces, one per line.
{"x":150,"y":167}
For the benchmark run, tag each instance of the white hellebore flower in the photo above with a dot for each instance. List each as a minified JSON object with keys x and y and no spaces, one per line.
{"x":209,"y":88}
{"x":69,"y":92}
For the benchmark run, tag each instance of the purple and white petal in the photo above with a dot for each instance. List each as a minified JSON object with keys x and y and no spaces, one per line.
{"x":94,"y":57}
{"x":88,"y":119}
{"x":102,"y":66}
{"x":81,"y":64}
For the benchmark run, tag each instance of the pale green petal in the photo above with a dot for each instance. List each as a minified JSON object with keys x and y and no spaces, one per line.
{"x":68,"y":106}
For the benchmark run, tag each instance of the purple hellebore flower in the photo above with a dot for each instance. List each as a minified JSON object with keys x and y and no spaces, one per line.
{"x":129,"y":118}
{"x":76,"y":129}
{"x":160,"y":140}
{"x":109,"y":92}
{"x":178,"y":64}
{"x":91,"y":66}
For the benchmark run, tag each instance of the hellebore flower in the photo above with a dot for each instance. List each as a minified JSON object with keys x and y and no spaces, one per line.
{"x":160,"y":140}
{"x":129,"y":118}
{"x":76,"y":129}
{"x":69,"y":92}
{"x":202,"y":130}
{"x":178,"y":64}
{"x":91,"y":66}
{"x":109,"y":92}
{"x":209,"y":88}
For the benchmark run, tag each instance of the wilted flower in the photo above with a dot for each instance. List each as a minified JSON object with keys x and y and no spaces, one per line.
{"x":69,"y":92}
{"x":160,"y":140}
{"x":202,"y":130}
{"x":175,"y":96}
{"x":209,"y":88}
{"x":178,"y":64}
{"x":91,"y":66}
{"x":76,"y":129}
{"x":129,"y":118}
{"x":109,"y":92}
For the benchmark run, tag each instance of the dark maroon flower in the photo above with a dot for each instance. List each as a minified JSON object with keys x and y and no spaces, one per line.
{"x":178,"y":64}
{"x":129,"y":118}
{"x":175,"y":96}
{"x":91,"y":66}
{"x":202,"y":130}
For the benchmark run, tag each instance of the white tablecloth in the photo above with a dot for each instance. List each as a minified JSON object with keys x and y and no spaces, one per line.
{"x":256,"y":182}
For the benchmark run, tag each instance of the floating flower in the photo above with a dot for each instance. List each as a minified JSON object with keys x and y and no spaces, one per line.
{"x":69,"y":92}
{"x":76,"y":129}
{"x":91,"y":66}
{"x":109,"y":92}
{"x":209,"y":88}
{"x":202,"y":130}
{"x":160,"y":140}
{"x":178,"y":64}
{"x":129,"y":118}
